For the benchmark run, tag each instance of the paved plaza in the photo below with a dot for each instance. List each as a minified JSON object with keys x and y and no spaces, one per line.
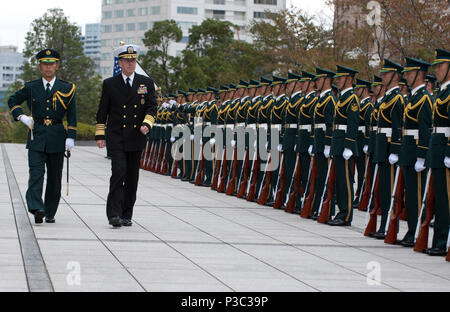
{"x":187,"y":238}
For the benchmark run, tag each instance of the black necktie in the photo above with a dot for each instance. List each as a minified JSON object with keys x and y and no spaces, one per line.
{"x":48,"y":88}
{"x":128,"y":85}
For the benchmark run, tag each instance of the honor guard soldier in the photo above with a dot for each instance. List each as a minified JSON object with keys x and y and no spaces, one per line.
{"x":252,"y":141}
{"x":276,"y":111}
{"x":262,"y":125}
{"x":344,"y":145}
{"x":323,"y":131}
{"x":128,"y":103}
{"x":388,"y":139}
{"x":187,"y":152}
{"x":49,"y":100}
{"x":289,"y":132}
{"x":438,"y":155}
{"x":305,"y":138}
{"x":179,"y":120}
{"x":378,"y":92}
{"x":210,"y":119}
{"x":362,"y":91}
{"x":416,"y":136}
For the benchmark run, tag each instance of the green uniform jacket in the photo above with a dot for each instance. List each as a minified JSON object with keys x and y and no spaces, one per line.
{"x":389,"y":116}
{"x":417,"y":116}
{"x":290,"y":118}
{"x":306,"y":117}
{"x":373,"y":126}
{"x":324,"y":114}
{"x":276,"y":114}
{"x":346,"y":113}
{"x":55,"y":105}
{"x":439,"y":146}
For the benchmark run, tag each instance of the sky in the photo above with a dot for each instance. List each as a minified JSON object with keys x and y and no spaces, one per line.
{"x":17,"y":15}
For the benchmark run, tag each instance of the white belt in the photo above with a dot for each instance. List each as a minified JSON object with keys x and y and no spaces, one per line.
{"x":321,"y":126}
{"x":375,"y":128}
{"x":305,"y":127}
{"x":157,"y":125}
{"x":362,"y":128}
{"x":340,"y":127}
{"x":230,"y":126}
{"x":170,"y":125}
{"x":220,"y":126}
{"x":444,"y":130}
{"x":387,"y":131}
{"x":262,"y":126}
{"x":164,"y":126}
{"x":208,"y":123}
{"x":278,"y":127}
{"x":412,"y":132}
{"x":198,"y":124}
{"x":241,"y":124}
{"x":252,"y":126}
{"x":291,"y":126}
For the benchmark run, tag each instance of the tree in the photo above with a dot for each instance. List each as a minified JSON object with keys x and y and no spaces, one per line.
{"x":54,"y":30}
{"x":213,"y":57}
{"x":292,"y":40}
{"x":160,"y":65}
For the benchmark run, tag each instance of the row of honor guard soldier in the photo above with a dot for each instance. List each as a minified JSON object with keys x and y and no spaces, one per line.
{"x":386,"y":131}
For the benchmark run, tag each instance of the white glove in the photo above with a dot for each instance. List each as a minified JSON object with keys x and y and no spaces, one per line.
{"x":172,"y":102}
{"x":280,"y":147}
{"x":347,"y":154}
{"x":201,"y":141}
{"x":420,"y":165}
{"x":70,"y":143}
{"x":192,"y":137}
{"x":366,"y":149}
{"x":172,"y":139}
{"x":326,"y":151}
{"x":267,"y":145}
{"x":295,"y":147}
{"x":233,"y":143}
{"x":255,"y":145}
{"x":393,"y":159}
{"x":310,"y":148}
{"x":447,"y":161}
{"x":212,"y":141}
{"x":26,"y":120}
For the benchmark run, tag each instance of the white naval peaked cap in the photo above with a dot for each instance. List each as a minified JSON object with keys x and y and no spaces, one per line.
{"x":127,"y":51}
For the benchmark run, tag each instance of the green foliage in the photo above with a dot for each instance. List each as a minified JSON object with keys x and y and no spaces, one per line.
{"x":157,"y":61}
{"x":54,"y":30}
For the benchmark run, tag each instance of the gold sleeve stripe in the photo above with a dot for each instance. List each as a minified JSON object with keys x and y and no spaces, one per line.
{"x":72,"y":128}
{"x":14,"y":108}
{"x":149,"y":119}
{"x":100,"y":129}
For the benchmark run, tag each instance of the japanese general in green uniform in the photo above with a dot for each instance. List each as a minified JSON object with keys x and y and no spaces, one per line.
{"x":49,"y":99}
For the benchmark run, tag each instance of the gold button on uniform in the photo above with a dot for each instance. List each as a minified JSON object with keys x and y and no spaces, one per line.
{"x":124,"y":116}
{"x":124,"y":126}
{"x":134,"y":126}
{"x":124,"y":106}
{"x":135,"y":116}
{"x":135,"y":106}
{"x":48,"y":101}
{"x":47,"y":108}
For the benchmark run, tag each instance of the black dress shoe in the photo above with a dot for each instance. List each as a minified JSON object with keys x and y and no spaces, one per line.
{"x":407,"y":243}
{"x":39,"y":216}
{"x":339,"y":222}
{"x":127,"y":222}
{"x":115,"y":222}
{"x":184,"y":179}
{"x":49,"y":220}
{"x":379,"y":235}
{"x":436,"y":252}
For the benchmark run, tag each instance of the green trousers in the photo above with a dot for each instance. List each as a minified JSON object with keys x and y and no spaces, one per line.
{"x":441,"y":178}
{"x":386,"y":174}
{"x":414,"y":188}
{"x":37,"y":161}
{"x":344,"y":188}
